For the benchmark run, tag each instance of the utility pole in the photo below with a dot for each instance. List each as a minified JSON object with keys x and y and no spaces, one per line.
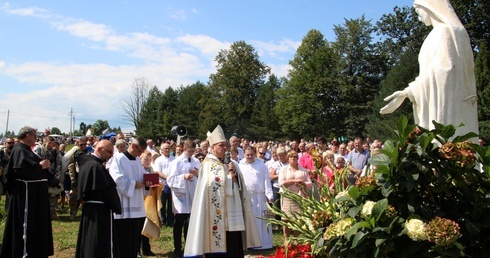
{"x":71,"y":121}
{"x":7,"y":125}
{"x":73,"y":125}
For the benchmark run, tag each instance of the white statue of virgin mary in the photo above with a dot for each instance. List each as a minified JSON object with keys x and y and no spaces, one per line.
{"x":445,"y":90}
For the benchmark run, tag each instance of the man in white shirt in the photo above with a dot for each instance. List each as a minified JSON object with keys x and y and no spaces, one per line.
{"x":127,"y":172}
{"x":150,"y":145}
{"x":162,"y":166}
{"x":182,"y":179}
{"x":274,"y":175}
{"x":234,"y":144}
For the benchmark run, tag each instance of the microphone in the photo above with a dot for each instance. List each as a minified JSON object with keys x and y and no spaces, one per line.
{"x":227,"y":158}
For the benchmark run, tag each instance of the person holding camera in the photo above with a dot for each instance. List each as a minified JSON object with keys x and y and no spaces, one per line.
{"x":55,"y":178}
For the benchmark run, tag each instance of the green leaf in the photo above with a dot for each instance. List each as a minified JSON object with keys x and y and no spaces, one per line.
{"x":446,"y":131}
{"x":355,"y":227}
{"x":390,"y":150}
{"x":380,"y":159}
{"x":354,"y":211}
{"x":401,"y":124}
{"x":358,"y":238}
{"x":379,"y":241}
{"x":353,"y":192}
{"x":468,"y":136}
{"x":379,"y":208}
{"x":425,"y":140}
{"x":415,"y":175}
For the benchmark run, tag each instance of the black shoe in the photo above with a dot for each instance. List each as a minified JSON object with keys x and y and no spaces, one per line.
{"x":149,"y":253}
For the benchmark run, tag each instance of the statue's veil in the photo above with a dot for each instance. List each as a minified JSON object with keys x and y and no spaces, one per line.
{"x":443,"y":11}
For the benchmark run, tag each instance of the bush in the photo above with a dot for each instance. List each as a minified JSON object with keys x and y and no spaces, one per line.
{"x":427,"y":197}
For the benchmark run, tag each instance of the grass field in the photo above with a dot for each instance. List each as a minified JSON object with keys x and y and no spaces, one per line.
{"x":65,"y":234}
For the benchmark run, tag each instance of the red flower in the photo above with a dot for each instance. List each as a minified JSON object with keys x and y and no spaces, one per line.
{"x":217,"y":179}
{"x":215,"y":228}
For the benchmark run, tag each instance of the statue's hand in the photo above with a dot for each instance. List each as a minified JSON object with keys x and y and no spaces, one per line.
{"x":395,"y":99}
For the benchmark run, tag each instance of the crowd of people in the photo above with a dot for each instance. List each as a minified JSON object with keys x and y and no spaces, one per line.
{"x":215,"y":192}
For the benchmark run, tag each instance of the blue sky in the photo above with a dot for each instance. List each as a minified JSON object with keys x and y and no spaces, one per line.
{"x":85,"y":55}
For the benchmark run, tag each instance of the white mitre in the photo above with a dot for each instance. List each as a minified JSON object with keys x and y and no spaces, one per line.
{"x":216,"y":136}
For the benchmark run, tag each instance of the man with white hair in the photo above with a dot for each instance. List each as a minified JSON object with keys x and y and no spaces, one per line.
{"x":221,"y":210}
{"x":234,"y":144}
{"x":162,"y":166}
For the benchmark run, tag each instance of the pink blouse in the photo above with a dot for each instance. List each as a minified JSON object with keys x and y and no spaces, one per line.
{"x":287,"y":173}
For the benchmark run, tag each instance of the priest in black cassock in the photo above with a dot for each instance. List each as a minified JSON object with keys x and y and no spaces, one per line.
{"x":28,"y":231}
{"x":98,"y":191}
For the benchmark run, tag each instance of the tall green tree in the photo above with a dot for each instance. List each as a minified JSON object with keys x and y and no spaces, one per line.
{"x":150,"y":124}
{"x":211,"y":110}
{"x":308,"y":102}
{"x":83,"y":128}
{"x":55,"y":130}
{"x":362,"y":67}
{"x":239,"y":76}
{"x":187,"y":110}
{"x":402,"y":36}
{"x":99,"y":126}
{"x":399,"y":32}
{"x":264,"y":121}
{"x":168,"y":103}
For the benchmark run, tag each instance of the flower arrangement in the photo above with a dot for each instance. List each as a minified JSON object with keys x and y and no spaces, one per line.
{"x":426,"y":198}
{"x":292,"y":251}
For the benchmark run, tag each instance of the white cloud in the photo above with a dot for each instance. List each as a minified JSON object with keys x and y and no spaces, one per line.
{"x":205,"y":44}
{"x":274,"y":49}
{"x":85,"y":29}
{"x":30,"y":11}
{"x":177,"y":14}
{"x":94,"y":90}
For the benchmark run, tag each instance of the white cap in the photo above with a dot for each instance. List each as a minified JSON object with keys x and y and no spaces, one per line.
{"x":216,"y":136}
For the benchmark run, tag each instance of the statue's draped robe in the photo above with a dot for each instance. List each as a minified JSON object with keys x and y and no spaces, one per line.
{"x":445,"y":90}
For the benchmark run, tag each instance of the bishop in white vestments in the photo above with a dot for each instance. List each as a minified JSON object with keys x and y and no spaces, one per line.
{"x":221,"y":222}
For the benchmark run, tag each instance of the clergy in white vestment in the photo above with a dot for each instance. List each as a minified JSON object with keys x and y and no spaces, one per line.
{"x":258,"y":184}
{"x":182,"y":180}
{"x":221,"y":222}
{"x":127,"y":172}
